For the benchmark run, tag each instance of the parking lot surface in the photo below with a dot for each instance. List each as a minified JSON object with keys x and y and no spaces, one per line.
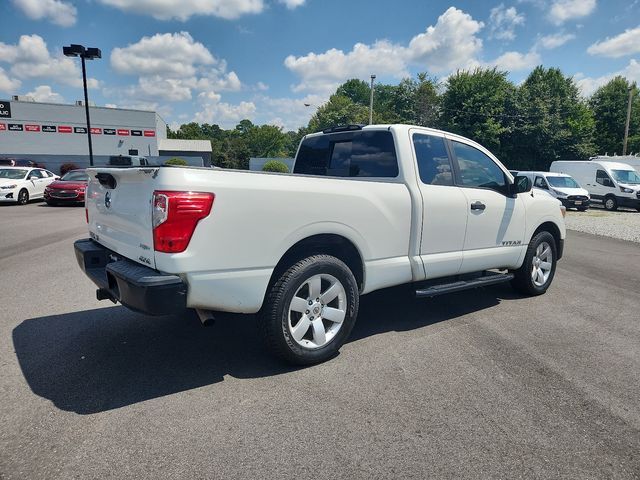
{"x":480,"y":384}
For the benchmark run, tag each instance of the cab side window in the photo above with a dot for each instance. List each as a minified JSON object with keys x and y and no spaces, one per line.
{"x":477,"y":169}
{"x":540,"y":183}
{"x":433,"y":160}
{"x":35,"y":174}
{"x":603,"y":178}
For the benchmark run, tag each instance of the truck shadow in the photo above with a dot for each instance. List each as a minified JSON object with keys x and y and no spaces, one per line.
{"x":97,"y":360}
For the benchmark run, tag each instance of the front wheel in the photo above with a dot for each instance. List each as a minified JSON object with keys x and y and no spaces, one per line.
{"x":23,"y":197}
{"x":539,"y":267}
{"x":310,"y":310}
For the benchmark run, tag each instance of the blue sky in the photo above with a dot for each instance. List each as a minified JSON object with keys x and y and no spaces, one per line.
{"x":219,"y":61}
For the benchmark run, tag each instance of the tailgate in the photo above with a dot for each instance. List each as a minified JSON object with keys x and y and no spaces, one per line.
{"x":118,"y":203}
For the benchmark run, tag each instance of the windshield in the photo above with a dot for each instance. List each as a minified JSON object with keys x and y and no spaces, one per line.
{"x":75,"y":176}
{"x":563,"y":182}
{"x":13,"y":173}
{"x":626,"y":176}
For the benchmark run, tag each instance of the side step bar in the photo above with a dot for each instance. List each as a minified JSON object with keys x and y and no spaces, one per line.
{"x":490,"y":278}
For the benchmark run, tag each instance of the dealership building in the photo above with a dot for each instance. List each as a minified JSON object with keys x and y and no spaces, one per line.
{"x":53,"y":134}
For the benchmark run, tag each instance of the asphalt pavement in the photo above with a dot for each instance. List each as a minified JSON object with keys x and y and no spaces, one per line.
{"x":480,"y":384}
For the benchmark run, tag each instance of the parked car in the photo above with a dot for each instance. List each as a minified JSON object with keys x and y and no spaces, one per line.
{"x":21,"y":184}
{"x":365,"y":208}
{"x":68,"y":190}
{"x":560,"y":186}
{"x":611,"y":183}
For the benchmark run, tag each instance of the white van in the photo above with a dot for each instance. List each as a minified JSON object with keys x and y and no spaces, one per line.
{"x":560,"y":186}
{"x":611,"y":183}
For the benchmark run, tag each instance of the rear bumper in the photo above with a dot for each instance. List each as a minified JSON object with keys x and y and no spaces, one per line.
{"x":135,"y":286}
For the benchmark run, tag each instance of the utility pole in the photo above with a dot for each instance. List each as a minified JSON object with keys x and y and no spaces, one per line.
{"x":373,"y":77}
{"x":626,"y":128}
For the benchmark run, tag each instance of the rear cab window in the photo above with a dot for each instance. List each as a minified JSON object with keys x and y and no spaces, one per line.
{"x":433,"y":160}
{"x":359,"y":154}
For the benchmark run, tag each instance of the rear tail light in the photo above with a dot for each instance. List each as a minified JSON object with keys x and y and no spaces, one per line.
{"x":175,"y":216}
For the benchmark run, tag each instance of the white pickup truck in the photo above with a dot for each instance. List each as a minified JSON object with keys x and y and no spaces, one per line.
{"x":365,"y":208}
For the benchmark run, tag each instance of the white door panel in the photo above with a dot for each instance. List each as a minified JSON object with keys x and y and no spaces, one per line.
{"x":443,"y":229}
{"x":493,"y":232}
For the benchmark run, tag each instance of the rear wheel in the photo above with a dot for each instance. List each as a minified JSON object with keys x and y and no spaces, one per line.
{"x":539,"y":266}
{"x":23,"y":197}
{"x":610,"y":203}
{"x":310,"y":310}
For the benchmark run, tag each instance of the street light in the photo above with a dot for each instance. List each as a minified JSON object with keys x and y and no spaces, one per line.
{"x":74,"y":50}
{"x":626,"y":127}
{"x":373,"y":77}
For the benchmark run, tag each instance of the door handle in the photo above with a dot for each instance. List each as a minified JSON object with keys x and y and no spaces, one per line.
{"x":478,"y":206}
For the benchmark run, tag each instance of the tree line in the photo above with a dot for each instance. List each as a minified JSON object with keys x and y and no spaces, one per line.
{"x":526,"y":126}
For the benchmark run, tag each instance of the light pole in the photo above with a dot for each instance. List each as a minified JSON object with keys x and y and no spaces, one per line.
{"x":373,"y":77}
{"x":74,"y":50}
{"x":626,"y":127}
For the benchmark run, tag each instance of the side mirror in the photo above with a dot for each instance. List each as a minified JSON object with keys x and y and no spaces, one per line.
{"x":521,"y":184}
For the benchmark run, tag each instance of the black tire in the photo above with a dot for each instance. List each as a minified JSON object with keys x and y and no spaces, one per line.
{"x":523,"y":281}
{"x":274,"y":321}
{"x":610,"y":203}
{"x":583,"y":209}
{"x":23,"y":197}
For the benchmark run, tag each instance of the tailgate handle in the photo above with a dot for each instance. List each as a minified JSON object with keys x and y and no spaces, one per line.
{"x":106,"y":180}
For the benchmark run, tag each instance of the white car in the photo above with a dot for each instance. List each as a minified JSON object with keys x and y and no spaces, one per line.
{"x":561,"y":186}
{"x":21,"y":184}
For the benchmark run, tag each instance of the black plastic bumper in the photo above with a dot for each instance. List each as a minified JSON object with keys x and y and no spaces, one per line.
{"x":137,"y":287}
{"x":572,"y":203}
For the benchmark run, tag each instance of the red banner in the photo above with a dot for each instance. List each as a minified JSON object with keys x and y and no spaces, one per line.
{"x":64,"y":129}
{"x":149,"y":133}
{"x":96,"y":131}
{"x":32,"y":128}
{"x":3,"y":126}
{"x":123,"y":132}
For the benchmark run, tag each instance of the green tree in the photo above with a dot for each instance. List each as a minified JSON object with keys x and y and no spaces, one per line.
{"x":476,"y":105}
{"x":275,"y":166}
{"x":358,"y":91}
{"x":339,"y":110}
{"x":427,"y":102}
{"x":266,"y":141}
{"x":552,"y":122}
{"x":609,"y":105}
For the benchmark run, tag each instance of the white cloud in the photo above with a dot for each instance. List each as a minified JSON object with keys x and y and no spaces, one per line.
{"x":56,"y":11}
{"x":168,"y":53}
{"x":588,"y":85}
{"x":514,"y":61}
{"x":7,"y":84}
{"x":503,"y":22}
{"x":170,"y":66}
{"x":184,"y":9}
{"x":626,"y":43}
{"x":549,"y":42}
{"x":224,"y":114}
{"x":564,"y":10}
{"x":325,"y":71}
{"x":30,"y":58}
{"x":291,"y":4}
{"x":44,"y":93}
{"x":450,"y":44}
{"x":262,"y":86}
